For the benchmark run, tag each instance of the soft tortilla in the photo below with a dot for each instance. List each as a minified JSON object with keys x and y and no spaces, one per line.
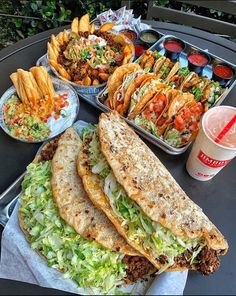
{"x":151,"y":186}
{"x":72,"y":201}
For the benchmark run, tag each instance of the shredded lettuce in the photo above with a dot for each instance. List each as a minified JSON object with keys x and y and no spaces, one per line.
{"x":146,"y":124}
{"x":86,"y":262}
{"x":151,"y":235}
{"x":173,"y":137}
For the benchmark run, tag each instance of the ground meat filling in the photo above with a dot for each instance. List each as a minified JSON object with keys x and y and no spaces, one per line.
{"x":208,"y":261}
{"x":82,"y":69}
{"x":138,"y":267}
{"x":49,"y":150}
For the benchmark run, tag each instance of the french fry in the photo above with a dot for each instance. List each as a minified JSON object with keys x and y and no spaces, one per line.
{"x":65,"y":36}
{"x":60,"y":38}
{"x":106,"y":27}
{"x":14,"y":79}
{"x":53,"y":64}
{"x":75,"y":25}
{"x":55,"y":42}
{"x":51,"y":52}
{"x":84,"y":23}
{"x":92,"y":28}
{"x":87,"y":81}
{"x":103,"y":76}
{"x":95,"y":82}
{"x":63,"y":72}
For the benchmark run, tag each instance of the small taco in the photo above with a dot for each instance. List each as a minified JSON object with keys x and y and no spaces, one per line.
{"x":177,"y":101}
{"x":190,"y":80}
{"x":148,"y":60}
{"x":120,"y":96}
{"x":198,"y":90}
{"x":165,"y":69}
{"x":185,"y":126}
{"x":212,"y":93}
{"x":143,"y":94}
{"x":152,"y":111}
{"x":177,"y":80}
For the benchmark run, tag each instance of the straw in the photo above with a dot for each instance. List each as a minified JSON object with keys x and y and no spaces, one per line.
{"x":225,"y":129}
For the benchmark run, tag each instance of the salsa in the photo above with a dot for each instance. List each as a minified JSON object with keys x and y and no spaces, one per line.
{"x":198,"y":59}
{"x":131,"y":35}
{"x":149,"y":36}
{"x":173,"y":46}
{"x":27,"y":125}
{"x":139,"y":49}
{"x":223,"y":71}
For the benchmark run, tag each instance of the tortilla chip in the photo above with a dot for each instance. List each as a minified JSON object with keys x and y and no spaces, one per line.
{"x":92,"y":28}
{"x":75,"y":26}
{"x":84,"y":23}
{"x":106,"y":27}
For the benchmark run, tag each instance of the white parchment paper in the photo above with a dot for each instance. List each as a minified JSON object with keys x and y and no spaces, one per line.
{"x":19,"y":262}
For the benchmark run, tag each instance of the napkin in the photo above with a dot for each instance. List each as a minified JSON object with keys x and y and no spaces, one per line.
{"x":19,"y":262}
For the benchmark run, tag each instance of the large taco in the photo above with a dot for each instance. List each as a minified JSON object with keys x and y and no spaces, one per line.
{"x":185,"y":125}
{"x":177,"y":100}
{"x":63,"y":225}
{"x":143,"y":94}
{"x":152,"y":111}
{"x":125,"y":179}
{"x":116,"y":80}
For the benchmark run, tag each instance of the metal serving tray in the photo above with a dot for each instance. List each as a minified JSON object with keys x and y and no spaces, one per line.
{"x":151,"y":138}
{"x":184,"y":63}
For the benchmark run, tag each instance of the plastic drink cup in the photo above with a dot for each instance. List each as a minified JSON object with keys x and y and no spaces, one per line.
{"x":215,"y":145}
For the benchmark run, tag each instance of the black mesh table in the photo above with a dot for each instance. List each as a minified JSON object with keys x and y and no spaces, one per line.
{"x":217,"y":197}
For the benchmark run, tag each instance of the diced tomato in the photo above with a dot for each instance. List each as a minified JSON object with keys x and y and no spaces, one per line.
{"x":119,"y":57}
{"x":102,"y":70}
{"x":193,"y":126}
{"x":179,"y":123}
{"x":147,"y":114}
{"x":30,"y":139}
{"x":151,"y":107}
{"x":56,"y":116}
{"x":186,"y":114}
{"x":6,"y":107}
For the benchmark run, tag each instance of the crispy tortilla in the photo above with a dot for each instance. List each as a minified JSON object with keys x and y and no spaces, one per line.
{"x":116,"y":79}
{"x":145,"y":99}
{"x":151,"y":186}
{"x":72,"y":201}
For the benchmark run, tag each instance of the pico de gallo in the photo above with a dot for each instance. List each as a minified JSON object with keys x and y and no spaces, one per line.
{"x":185,"y":125}
{"x":24,"y":124}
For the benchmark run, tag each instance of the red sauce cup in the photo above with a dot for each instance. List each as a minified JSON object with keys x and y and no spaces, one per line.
{"x":223,"y":73}
{"x":139,"y":47}
{"x":197,"y":60}
{"x":130,"y":34}
{"x":173,"y":48}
